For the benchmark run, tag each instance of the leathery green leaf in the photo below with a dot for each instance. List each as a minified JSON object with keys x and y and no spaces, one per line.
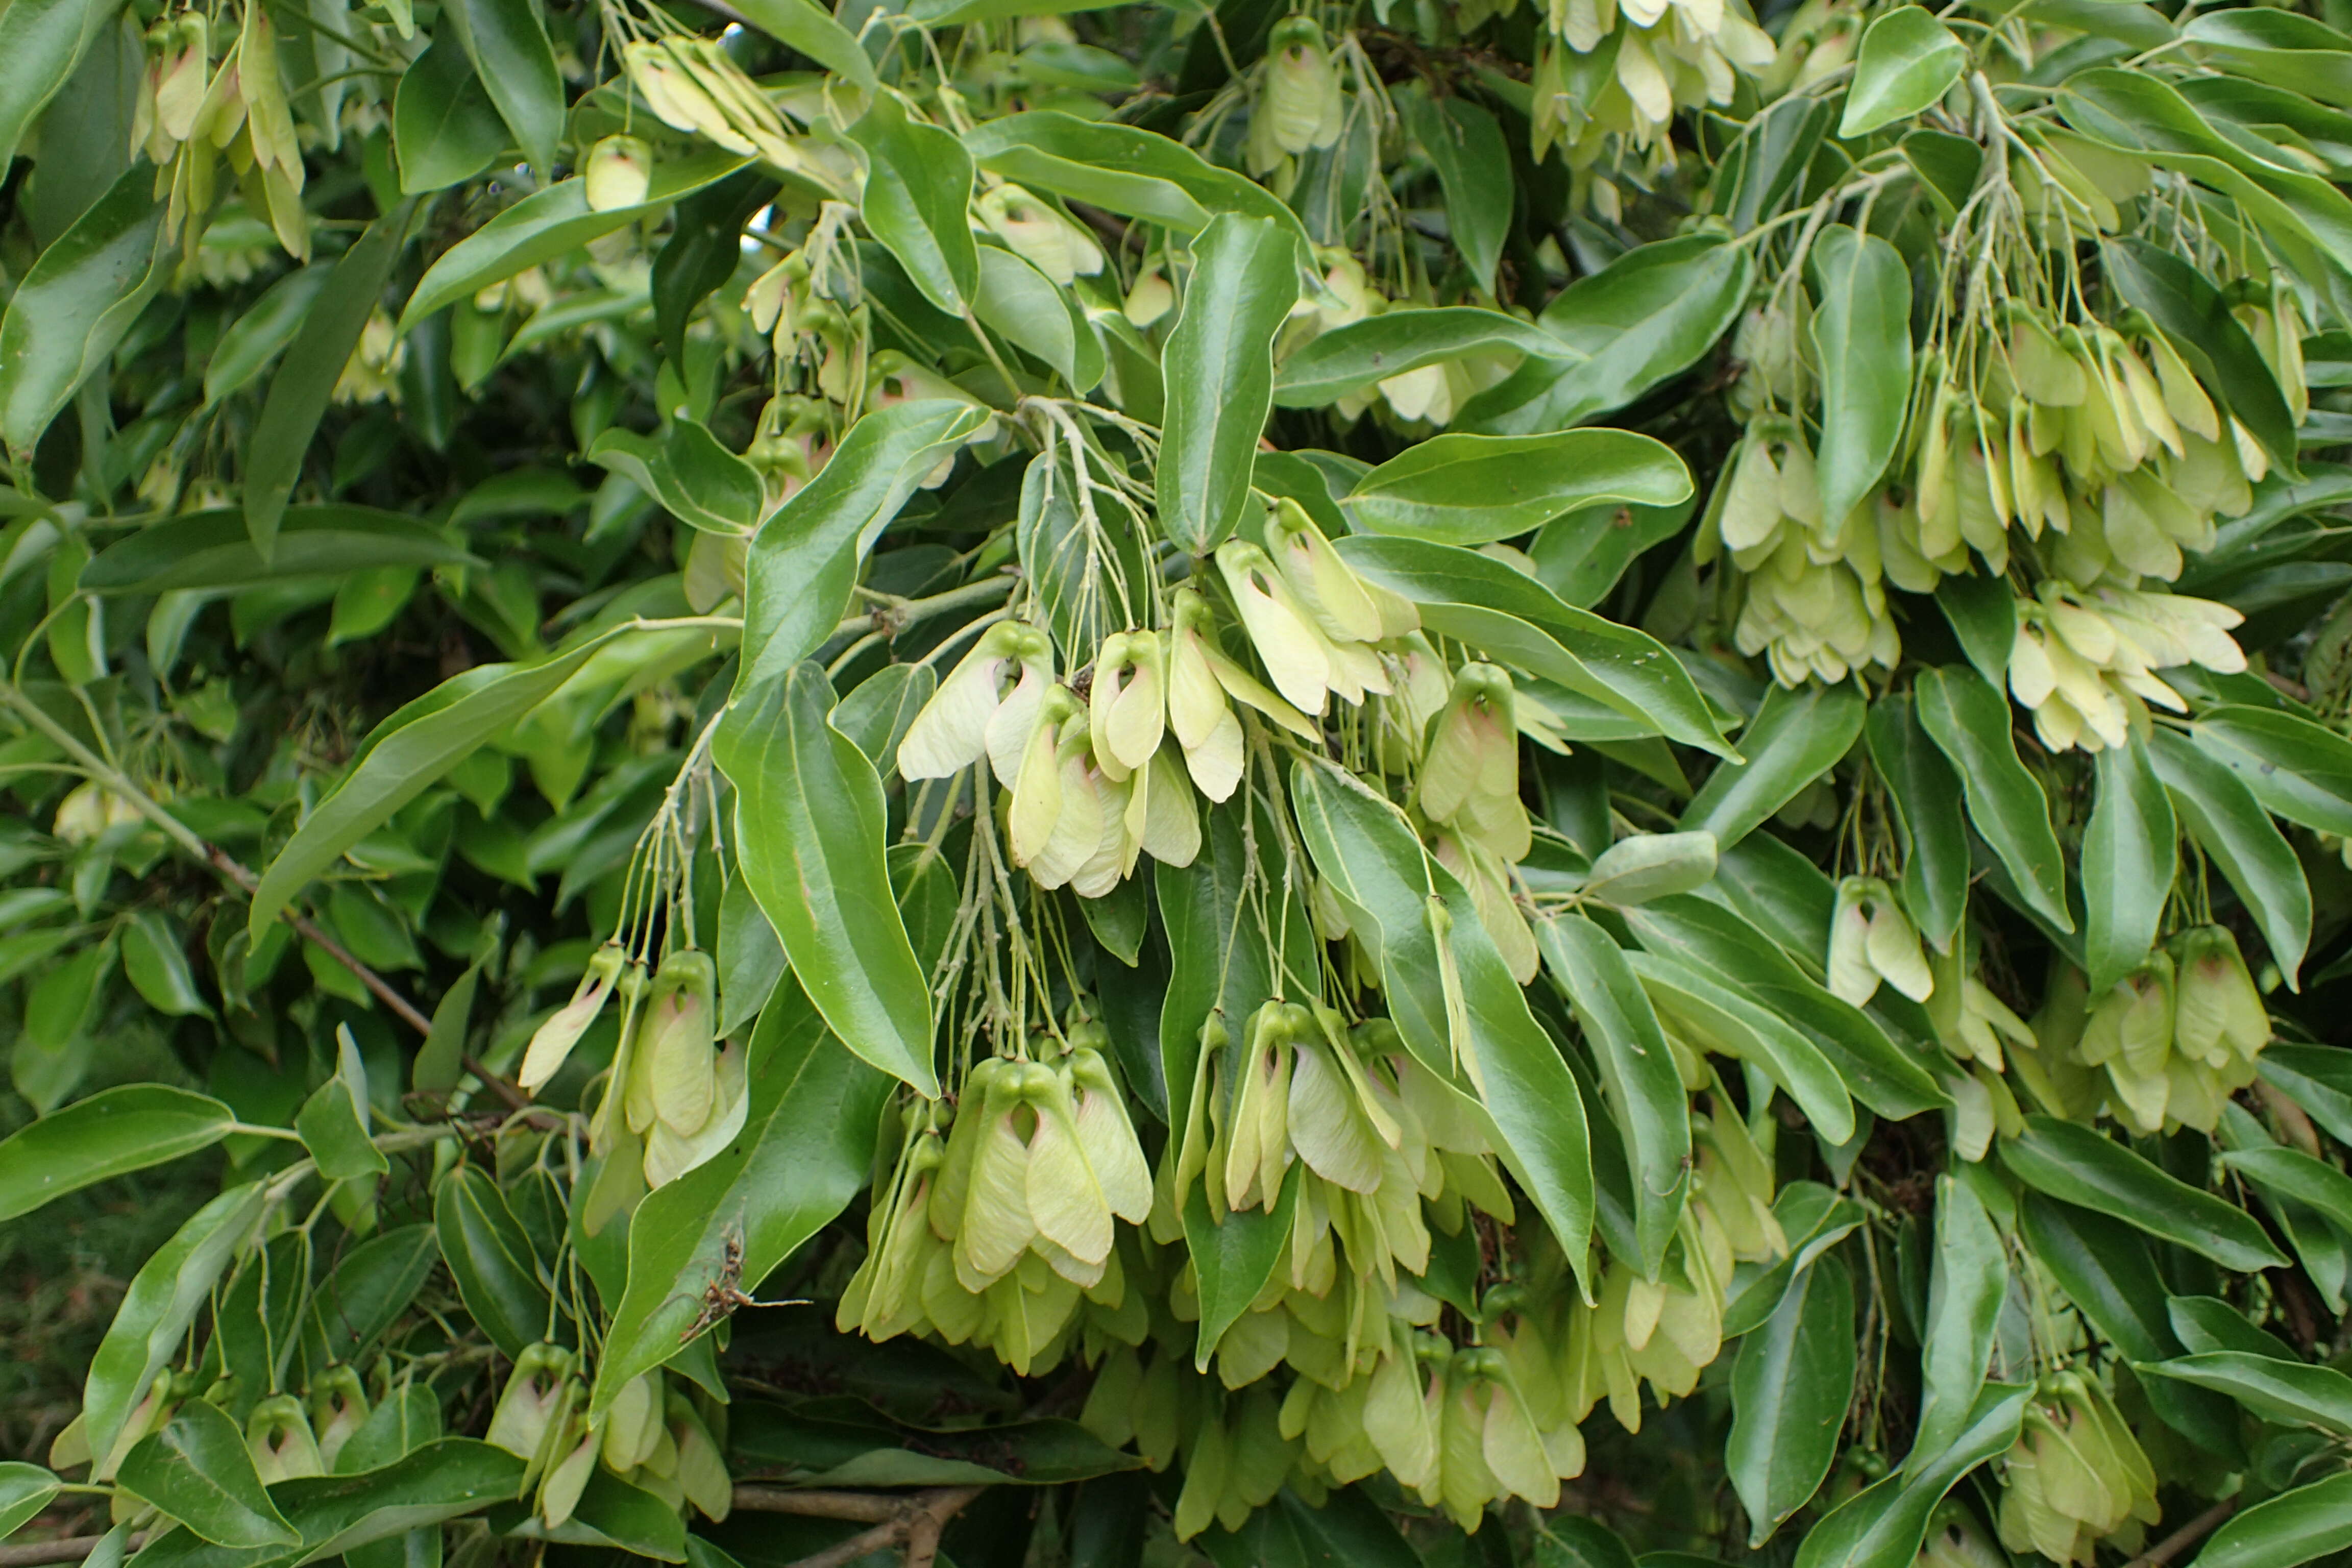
{"x":24,"y":1490}
{"x":507,"y":44}
{"x":2232,"y":826}
{"x":2077,"y":1165}
{"x":1908,"y":60}
{"x":918,"y":187}
{"x":2285,"y":1391}
{"x":1637,"y":1067}
{"x":1965,"y":1292}
{"x":1927,"y":809}
{"x":111,"y":1133}
{"x":76,"y":303}
{"x":1790,"y":1389}
{"x":1490,"y":1046}
{"x":1219,"y":366}
{"x":1882,"y":1525}
{"x":490,"y":1257}
{"x":2294,"y":1527}
{"x":1861,"y":340}
{"x":1796,"y":737}
{"x":157,"y":1308}
{"x":809,"y":824}
{"x":1472,"y":489}
{"x":2130,"y":852}
{"x":197,"y":1471}
{"x":1970,"y":722}
{"x":805,"y":1152}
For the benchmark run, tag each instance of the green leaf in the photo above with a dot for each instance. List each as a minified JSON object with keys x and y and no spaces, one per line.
{"x":158,"y":969}
{"x":1466,"y":146}
{"x":1861,"y":340}
{"x":1583,"y":554}
{"x":491,"y":1257}
{"x":2301,"y":54}
{"x":333,"y":1121}
{"x":806,"y":1149}
{"x":76,"y":303}
{"x":1014,"y":301}
{"x":1968,"y":721}
{"x":370,"y":1289}
{"x":1219,"y":368}
{"x":803,"y":560}
{"x":2196,"y":319}
{"x":1121,"y":169}
{"x":917,"y":194}
{"x":1645,"y":1094}
{"x":2303,"y":1177}
{"x":2289,"y":1393}
{"x":1705,"y":1005}
{"x":209,"y":550}
{"x":197,"y":1471}
{"x":111,"y":1133}
{"x":1472,"y":489}
{"x":1965,"y":1294}
{"x":442,"y":1480}
{"x":2297,"y":769}
{"x":305,"y":382}
{"x":1795,"y":738}
{"x":1367,"y":852}
{"x":1882,"y":1525}
{"x":696,"y":479}
{"x":444,"y":128}
{"x":2316,"y":1078}
{"x":2106,"y":1268}
{"x":2079,"y":1167}
{"x":440,"y":1060}
{"x":547,"y":224}
{"x":43,"y":42}
{"x":165,"y":1296}
{"x":255,"y":339}
{"x":1232,"y":1259}
{"x":809,"y":827}
{"x":2232,"y":826}
{"x":1908,"y":60}
{"x":516,"y":65}
{"x":1790,"y":1389}
{"x":1351,"y":358}
{"x":1814,"y":1219}
{"x":24,"y":1490}
{"x":811,"y":31}
{"x":1650,"y":314}
{"x":401,"y":759}
{"x":1715,"y":939}
{"x":1983,"y":614}
{"x":1467,"y":595}
{"x":1642,"y":866}
{"x":1926,"y":800}
{"x":2129,"y":853}
{"x":2300,"y":1526}
{"x":1234,"y":932}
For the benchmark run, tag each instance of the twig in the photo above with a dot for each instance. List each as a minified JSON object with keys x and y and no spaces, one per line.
{"x":2187,"y":1536}
{"x":235,"y":870}
{"x":913,"y":1521}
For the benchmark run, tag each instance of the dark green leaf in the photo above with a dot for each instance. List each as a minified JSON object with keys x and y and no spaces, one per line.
{"x":1969,"y":719}
{"x":917,"y":188}
{"x":516,"y":65}
{"x":1472,"y":489}
{"x":2196,"y":320}
{"x":2297,"y":769}
{"x":491,"y":1257}
{"x":1926,"y":800}
{"x":1862,"y":341}
{"x":111,"y":1133}
{"x":1965,"y":1293}
{"x":305,"y":382}
{"x":197,"y":1471}
{"x":445,"y":128}
{"x":1908,"y":60}
{"x":2130,"y":852}
{"x":1882,"y":1525}
{"x":2232,"y":826}
{"x":805,"y":1152}
{"x":2300,"y":1526}
{"x":211,"y":550}
{"x":809,"y":827}
{"x":1219,"y":365}
{"x":2077,"y":1165}
{"x":79,"y":300}
{"x":1790,"y":1389}
{"x":2283,"y":1391}
{"x":1353,"y":357}
{"x":1466,"y":146}
{"x":1797,"y":737}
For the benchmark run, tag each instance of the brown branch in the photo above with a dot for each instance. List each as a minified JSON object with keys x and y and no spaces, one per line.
{"x":2187,"y":1536}
{"x":228,"y":865}
{"x":913,"y":1521}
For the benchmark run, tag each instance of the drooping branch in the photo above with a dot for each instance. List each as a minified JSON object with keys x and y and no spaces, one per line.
{"x":912,"y":1522}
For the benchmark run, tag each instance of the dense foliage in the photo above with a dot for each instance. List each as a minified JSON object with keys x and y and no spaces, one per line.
{"x":1425,"y":784}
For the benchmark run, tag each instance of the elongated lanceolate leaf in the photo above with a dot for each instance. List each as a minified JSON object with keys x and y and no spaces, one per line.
{"x":2129,"y":853}
{"x":2077,"y":1165}
{"x":197,"y":1471}
{"x":809,"y":824}
{"x":1797,"y":736}
{"x":1219,"y":369}
{"x":112,"y":1133}
{"x":74,"y":306}
{"x":1970,"y":721}
{"x":1862,"y":336}
{"x":2295,"y":1527}
{"x":918,"y":191}
{"x":1965,"y":1292}
{"x":1472,"y":489}
{"x":1790,"y":1389}
{"x":2232,"y":826}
